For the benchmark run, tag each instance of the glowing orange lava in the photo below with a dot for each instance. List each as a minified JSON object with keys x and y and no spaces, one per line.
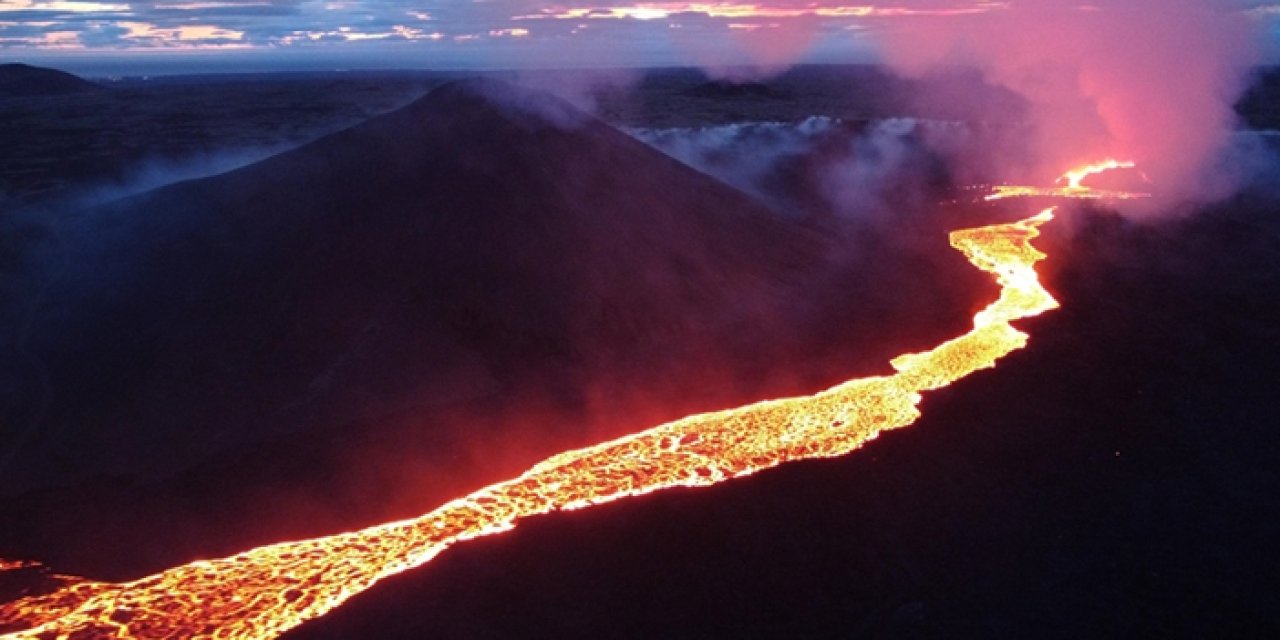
{"x":1074,"y":188}
{"x":263,"y":592}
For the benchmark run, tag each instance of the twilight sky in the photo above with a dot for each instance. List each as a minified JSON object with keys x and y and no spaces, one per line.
{"x":120,"y":36}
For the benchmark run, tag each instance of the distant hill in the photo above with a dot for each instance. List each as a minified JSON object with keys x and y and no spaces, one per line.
{"x":21,"y":80}
{"x":724,"y":90}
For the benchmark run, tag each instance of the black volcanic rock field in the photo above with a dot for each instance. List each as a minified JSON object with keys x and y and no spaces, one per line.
{"x":391,"y":315}
{"x":1117,"y":478}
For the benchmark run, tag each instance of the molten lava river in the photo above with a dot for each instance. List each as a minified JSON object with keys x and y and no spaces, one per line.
{"x":1071,"y":185}
{"x":263,"y":592}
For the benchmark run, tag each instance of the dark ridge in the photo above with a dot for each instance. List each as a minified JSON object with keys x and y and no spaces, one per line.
{"x":394,"y":315}
{"x":722,"y":90}
{"x":23,"y":80}
{"x":483,"y":229}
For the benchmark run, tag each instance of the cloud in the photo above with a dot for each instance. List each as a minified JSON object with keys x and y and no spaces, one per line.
{"x":107,"y":34}
{"x":769,"y":34}
{"x":277,"y":23}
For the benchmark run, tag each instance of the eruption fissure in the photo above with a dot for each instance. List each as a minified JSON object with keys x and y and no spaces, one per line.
{"x":263,"y":592}
{"x":1074,"y":186}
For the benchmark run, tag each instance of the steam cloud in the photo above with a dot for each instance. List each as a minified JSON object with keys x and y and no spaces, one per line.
{"x":1153,"y":81}
{"x":745,"y":155}
{"x":821,"y":164}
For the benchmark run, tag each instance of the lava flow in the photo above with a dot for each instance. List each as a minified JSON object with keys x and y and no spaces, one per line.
{"x":1075,"y":187}
{"x":263,"y":592}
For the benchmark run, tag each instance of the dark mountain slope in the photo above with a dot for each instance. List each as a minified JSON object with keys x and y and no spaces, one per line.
{"x":395,"y":314}
{"x":457,"y":244}
{"x":22,"y":80}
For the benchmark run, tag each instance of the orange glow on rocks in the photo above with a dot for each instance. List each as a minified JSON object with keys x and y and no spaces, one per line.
{"x":263,"y":592}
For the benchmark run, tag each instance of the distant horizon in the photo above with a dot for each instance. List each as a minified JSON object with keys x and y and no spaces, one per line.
{"x":151,"y":63}
{"x":137,"y":72}
{"x":109,"y":69}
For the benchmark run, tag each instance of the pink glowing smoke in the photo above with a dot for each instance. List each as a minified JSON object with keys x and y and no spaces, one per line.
{"x":1153,"y":81}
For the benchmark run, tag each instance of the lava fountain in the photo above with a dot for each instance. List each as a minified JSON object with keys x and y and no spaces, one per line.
{"x":263,"y":592}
